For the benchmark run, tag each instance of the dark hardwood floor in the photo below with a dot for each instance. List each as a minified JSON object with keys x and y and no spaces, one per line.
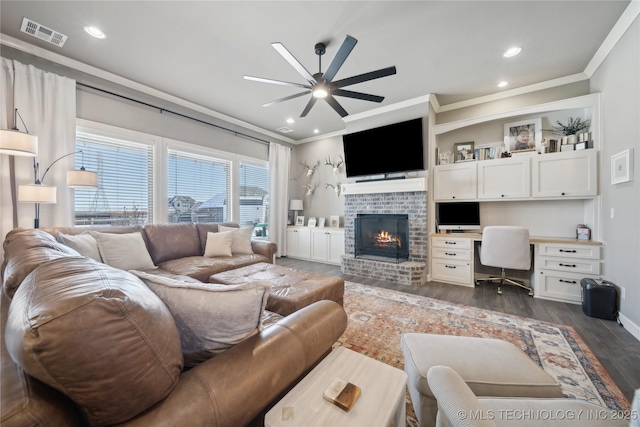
{"x":614,"y":346}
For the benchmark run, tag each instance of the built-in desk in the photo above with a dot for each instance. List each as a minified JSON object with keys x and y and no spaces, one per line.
{"x":557,"y":268}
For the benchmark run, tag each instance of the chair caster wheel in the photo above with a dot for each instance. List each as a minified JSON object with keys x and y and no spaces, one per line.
{"x":499,"y":291}
{"x":530,"y":293}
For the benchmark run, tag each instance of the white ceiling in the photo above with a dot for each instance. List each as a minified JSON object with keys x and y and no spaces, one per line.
{"x":199,"y":51}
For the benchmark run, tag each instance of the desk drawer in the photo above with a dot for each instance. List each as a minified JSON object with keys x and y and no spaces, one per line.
{"x":559,"y":286}
{"x":451,"y":271}
{"x":445,"y":253}
{"x":569,"y":251}
{"x":451,"y":242}
{"x":573,"y":265}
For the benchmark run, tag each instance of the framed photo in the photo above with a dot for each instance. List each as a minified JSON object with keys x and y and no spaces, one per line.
{"x":463,"y":151}
{"x":312,"y":222}
{"x":622,"y":167}
{"x":321,"y":222}
{"x":446,"y":158}
{"x":523,"y":135}
{"x":299,"y":220}
{"x":334,"y":221}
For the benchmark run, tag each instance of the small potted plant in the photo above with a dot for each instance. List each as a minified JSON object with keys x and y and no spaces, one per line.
{"x":571,"y":129}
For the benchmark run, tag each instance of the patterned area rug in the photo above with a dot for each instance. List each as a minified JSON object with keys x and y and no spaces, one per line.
{"x":378,"y":318}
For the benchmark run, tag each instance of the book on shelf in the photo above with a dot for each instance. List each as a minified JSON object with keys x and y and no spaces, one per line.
{"x":488,"y":152}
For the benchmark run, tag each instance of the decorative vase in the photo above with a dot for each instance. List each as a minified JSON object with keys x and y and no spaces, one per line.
{"x":572,"y":139}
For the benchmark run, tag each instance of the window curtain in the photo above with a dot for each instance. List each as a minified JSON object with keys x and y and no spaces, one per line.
{"x":279,"y":159}
{"x":47,"y":103}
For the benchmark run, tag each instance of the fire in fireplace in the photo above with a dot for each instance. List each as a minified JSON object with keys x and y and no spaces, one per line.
{"x":382,"y":235}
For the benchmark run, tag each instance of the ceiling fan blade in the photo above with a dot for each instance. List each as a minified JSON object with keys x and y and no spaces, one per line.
{"x":357,"y":95}
{"x":286,"y":98}
{"x":341,"y":55}
{"x":334,"y":104}
{"x":310,"y":104}
{"x":277,"y":82}
{"x":383,"y":72}
{"x":294,"y":62}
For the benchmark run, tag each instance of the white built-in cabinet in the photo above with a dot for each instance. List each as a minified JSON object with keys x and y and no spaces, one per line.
{"x":565,"y":174}
{"x":317,"y":244}
{"x":508,"y":178}
{"x":456,"y":181}
{"x":451,"y":260}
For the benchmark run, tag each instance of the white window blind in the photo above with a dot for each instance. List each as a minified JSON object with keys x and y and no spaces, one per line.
{"x":125,"y":181}
{"x":199,"y":188}
{"x":254,"y":196}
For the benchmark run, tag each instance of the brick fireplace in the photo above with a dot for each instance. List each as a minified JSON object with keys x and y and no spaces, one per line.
{"x":396,"y":198}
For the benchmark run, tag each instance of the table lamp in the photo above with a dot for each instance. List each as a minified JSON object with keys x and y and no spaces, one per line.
{"x":295,"y":205}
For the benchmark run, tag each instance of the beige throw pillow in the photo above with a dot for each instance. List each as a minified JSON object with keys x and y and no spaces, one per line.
{"x":124,"y":251}
{"x":241,"y":243}
{"x":218,"y":244}
{"x":210,"y":317}
{"x":84,"y":243}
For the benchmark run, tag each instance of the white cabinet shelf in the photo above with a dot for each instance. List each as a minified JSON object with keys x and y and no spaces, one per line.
{"x":567,"y":174}
{"x":501,"y":179}
{"x":317,"y":244}
{"x":455,"y":182}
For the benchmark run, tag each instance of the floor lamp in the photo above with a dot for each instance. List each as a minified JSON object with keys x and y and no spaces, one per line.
{"x":39,"y":193}
{"x":17,"y":143}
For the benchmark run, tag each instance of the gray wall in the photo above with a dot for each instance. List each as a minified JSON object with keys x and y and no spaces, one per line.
{"x":617,"y":80}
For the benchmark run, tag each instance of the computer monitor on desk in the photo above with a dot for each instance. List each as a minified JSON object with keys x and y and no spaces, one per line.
{"x":458,"y":216}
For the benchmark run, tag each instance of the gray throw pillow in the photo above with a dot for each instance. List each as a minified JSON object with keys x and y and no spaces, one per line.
{"x":84,"y":243}
{"x":124,"y":251}
{"x":241,"y":239}
{"x":210,"y":317}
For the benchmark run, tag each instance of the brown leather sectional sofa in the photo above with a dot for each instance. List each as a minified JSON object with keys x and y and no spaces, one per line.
{"x":84,"y":343}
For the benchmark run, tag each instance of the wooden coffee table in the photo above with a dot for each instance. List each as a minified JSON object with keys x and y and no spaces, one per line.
{"x":381,"y":402}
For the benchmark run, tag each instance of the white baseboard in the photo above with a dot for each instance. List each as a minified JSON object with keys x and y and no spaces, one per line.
{"x":630,"y":326}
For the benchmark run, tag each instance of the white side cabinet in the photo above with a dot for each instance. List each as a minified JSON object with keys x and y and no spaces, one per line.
{"x":451,"y":260}
{"x":327,"y":245}
{"x":560,"y":267}
{"x":565,"y":174}
{"x":501,"y":179}
{"x":455,"y":182}
{"x":299,"y":242}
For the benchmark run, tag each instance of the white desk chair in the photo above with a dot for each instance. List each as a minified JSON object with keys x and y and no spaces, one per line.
{"x":505,"y":246}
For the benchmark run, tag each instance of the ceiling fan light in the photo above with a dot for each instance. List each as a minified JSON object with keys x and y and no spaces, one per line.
{"x":512,"y":52}
{"x":320,"y":93}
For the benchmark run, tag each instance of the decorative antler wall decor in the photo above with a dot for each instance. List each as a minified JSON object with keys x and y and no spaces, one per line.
{"x":334,"y":164}
{"x":310,"y":169}
{"x":310,"y":188}
{"x":336,"y":188}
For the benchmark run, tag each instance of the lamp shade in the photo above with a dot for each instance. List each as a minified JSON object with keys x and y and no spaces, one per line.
{"x":295,"y":205}
{"x":18,"y":143}
{"x":82,"y":179}
{"x":37,"y":193}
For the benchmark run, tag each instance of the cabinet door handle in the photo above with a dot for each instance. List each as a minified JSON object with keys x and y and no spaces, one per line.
{"x":450,"y":243}
{"x":450,"y":266}
{"x":450,"y":254}
{"x":572,"y":251}
{"x":563,"y":194}
{"x":568,"y":281}
{"x":568,"y":265}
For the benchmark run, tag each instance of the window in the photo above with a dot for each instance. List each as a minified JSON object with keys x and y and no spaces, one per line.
{"x":199,"y":188}
{"x":125,"y":181}
{"x":254,"y":196}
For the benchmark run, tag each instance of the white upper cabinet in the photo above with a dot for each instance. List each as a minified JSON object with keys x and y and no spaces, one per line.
{"x":566,"y":174}
{"x":502,"y":179}
{"x":455,"y":182}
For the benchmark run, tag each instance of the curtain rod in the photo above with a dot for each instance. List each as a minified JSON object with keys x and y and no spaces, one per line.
{"x":236,"y":133}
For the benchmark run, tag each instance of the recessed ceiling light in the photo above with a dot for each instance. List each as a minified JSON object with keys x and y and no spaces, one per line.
{"x":95,"y":32}
{"x":512,"y":52}
{"x":502,"y":84}
{"x":316,"y":131}
{"x":290,"y":120}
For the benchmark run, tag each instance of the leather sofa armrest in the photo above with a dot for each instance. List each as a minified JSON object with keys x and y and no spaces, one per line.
{"x":234,"y":387}
{"x":266,"y":248}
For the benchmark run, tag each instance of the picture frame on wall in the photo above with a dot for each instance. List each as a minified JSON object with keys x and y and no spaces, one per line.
{"x":300,"y":220}
{"x":524,"y":135}
{"x":622,"y":167}
{"x":334,"y":221}
{"x":463,"y":151}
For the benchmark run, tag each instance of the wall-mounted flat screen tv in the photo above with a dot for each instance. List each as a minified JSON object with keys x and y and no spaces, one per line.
{"x":383,"y":150}
{"x":458,"y":215}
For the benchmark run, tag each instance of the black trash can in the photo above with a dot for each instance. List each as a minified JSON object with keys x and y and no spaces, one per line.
{"x":599,"y":299}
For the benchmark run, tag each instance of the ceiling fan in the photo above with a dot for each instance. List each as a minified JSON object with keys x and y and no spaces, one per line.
{"x":321,"y":85}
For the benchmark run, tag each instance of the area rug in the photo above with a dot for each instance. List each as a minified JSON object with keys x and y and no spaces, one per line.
{"x":378,"y":317}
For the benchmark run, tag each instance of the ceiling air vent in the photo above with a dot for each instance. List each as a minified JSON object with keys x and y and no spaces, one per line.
{"x":284,"y":129}
{"x":42,"y":32}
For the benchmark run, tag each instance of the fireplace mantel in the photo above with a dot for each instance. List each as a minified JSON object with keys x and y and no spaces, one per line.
{"x":390,"y":186}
